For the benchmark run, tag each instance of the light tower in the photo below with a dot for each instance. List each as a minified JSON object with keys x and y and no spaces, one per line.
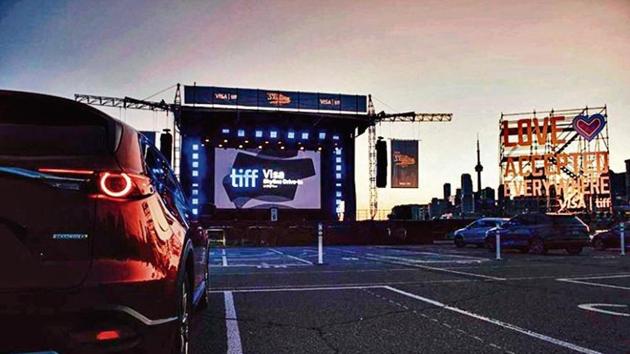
{"x":478,"y":168}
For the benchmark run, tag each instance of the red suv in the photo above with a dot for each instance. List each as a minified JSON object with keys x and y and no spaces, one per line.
{"x":97,"y":250}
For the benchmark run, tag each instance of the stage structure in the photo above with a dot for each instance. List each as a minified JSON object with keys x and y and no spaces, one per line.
{"x":555,"y":161}
{"x":248,"y":151}
{"x":261,"y":155}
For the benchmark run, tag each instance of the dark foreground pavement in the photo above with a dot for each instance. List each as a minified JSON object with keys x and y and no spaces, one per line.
{"x":429,"y":299}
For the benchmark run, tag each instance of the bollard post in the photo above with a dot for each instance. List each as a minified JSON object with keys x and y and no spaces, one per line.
{"x":498,"y":247}
{"x":320,"y":243}
{"x":623,"y":239}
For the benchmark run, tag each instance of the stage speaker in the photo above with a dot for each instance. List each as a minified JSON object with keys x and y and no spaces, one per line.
{"x":166,"y":145}
{"x":381,"y":163}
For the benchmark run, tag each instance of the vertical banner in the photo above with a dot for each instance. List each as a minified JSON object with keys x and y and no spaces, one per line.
{"x":404,"y":163}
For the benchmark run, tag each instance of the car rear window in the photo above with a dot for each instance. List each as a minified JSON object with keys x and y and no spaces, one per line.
{"x":39,"y":125}
{"x":46,"y":140}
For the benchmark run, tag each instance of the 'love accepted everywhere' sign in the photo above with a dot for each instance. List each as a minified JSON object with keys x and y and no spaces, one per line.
{"x":540,"y":159}
{"x":589,"y":126}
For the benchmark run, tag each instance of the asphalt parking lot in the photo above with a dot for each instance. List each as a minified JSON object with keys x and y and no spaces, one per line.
{"x":429,"y":299}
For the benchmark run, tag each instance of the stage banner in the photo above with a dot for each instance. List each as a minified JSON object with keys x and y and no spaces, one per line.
{"x":404,"y":156}
{"x":291,"y":100}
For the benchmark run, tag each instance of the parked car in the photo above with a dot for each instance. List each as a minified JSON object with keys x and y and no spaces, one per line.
{"x":97,"y":250}
{"x":536,"y":233}
{"x":475,"y":232}
{"x":611,"y":238}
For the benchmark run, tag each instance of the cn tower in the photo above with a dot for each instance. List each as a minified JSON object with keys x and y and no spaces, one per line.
{"x":478,"y":168}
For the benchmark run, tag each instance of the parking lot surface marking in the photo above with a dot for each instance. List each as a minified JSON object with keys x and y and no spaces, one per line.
{"x":292,"y":257}
{"x":596,"y":308}
{"x":231,"y":323}
{"x":411,"y":263}
{"x":497,"y":322}
{"x":580,"y":280}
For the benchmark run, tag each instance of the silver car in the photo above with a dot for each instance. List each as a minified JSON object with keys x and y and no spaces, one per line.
{"x":475,"y":233}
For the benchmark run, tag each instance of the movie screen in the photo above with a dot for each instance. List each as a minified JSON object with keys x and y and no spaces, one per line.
{"x":246,"y":179}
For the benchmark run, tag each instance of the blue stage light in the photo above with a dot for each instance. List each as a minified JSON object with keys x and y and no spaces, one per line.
{"x":338,"y":175}
{"x":338,"y":159}
{"x":322,"y":135}
{"x":225,"y":131}
{"x":291,"y":135}
{"x":305,"y":135}
{"x":240,"y":133}
{"x":259,"y":133}
{"x":273,"y":134}
{"x":195,"y":211}
{"x":195,"y":156}
{"x":338,"y":185}
{"x":338,"y":194}
{"x":195,"y":173}
{"x":195,"y":147}
{"x":195,"y":192}
{"x":195,"y":164}
{"x":195,"y":201}
{"x":335,"y":137}
{"x":338,"y":168}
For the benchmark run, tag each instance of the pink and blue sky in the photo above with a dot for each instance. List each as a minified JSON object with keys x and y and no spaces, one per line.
{"x":473,"y":58}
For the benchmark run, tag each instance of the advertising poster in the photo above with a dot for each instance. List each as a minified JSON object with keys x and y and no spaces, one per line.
{"x":404,"y":163}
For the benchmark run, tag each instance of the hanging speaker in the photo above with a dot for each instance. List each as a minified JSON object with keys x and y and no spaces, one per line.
{"x":166,"y":145}
{"x":381,"y":163}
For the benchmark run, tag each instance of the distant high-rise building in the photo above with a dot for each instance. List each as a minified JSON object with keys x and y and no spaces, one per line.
{"x":447,"y":191}
{"x":488,"y":193}
{"x":628,"y":180}
{"x":435,"y":208}
{"x":458,"y":197}
{"x":501,"y":197}
{"x":467,"y":202}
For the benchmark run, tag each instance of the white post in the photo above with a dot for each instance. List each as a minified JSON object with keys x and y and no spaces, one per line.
{"x":320,"y":243}
{"x":498,"y":247}
{"x":623,"y":239}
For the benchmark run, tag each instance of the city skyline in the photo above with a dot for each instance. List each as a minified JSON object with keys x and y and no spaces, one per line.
{"x":473,"y":60}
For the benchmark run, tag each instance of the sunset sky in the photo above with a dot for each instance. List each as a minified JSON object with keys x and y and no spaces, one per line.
{"x":475,"y":59}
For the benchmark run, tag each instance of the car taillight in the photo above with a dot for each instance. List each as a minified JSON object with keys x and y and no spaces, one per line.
{"x":107,"y":184}
{"x":123,"y":185}
{"x":66,"y":171}
{"x":115,"y":185}
{"x":107,"y":335}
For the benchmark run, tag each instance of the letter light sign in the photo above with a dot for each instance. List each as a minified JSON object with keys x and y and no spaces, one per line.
{"x":555,"y":161}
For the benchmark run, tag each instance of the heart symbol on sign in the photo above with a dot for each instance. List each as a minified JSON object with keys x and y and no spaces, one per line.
{"x":589,"y":126}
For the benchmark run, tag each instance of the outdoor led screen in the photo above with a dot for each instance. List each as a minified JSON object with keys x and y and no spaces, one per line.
{"x":246,"y":179}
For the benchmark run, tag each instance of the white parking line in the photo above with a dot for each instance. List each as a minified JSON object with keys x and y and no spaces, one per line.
{"x":435,"y":253}
{"x":307,"y":287}
{"x":580,"y":281}
{"x":497,"y":322}
{"x":234,"y":345}
{"x":597,"y":308}
{"x":412,"y":264}
{"x":224,"y":257}
{"x":292,"y":257}
{"x":247,"y":265}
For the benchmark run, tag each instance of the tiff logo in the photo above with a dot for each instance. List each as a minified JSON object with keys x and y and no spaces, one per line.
{"x":244,"y":178}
